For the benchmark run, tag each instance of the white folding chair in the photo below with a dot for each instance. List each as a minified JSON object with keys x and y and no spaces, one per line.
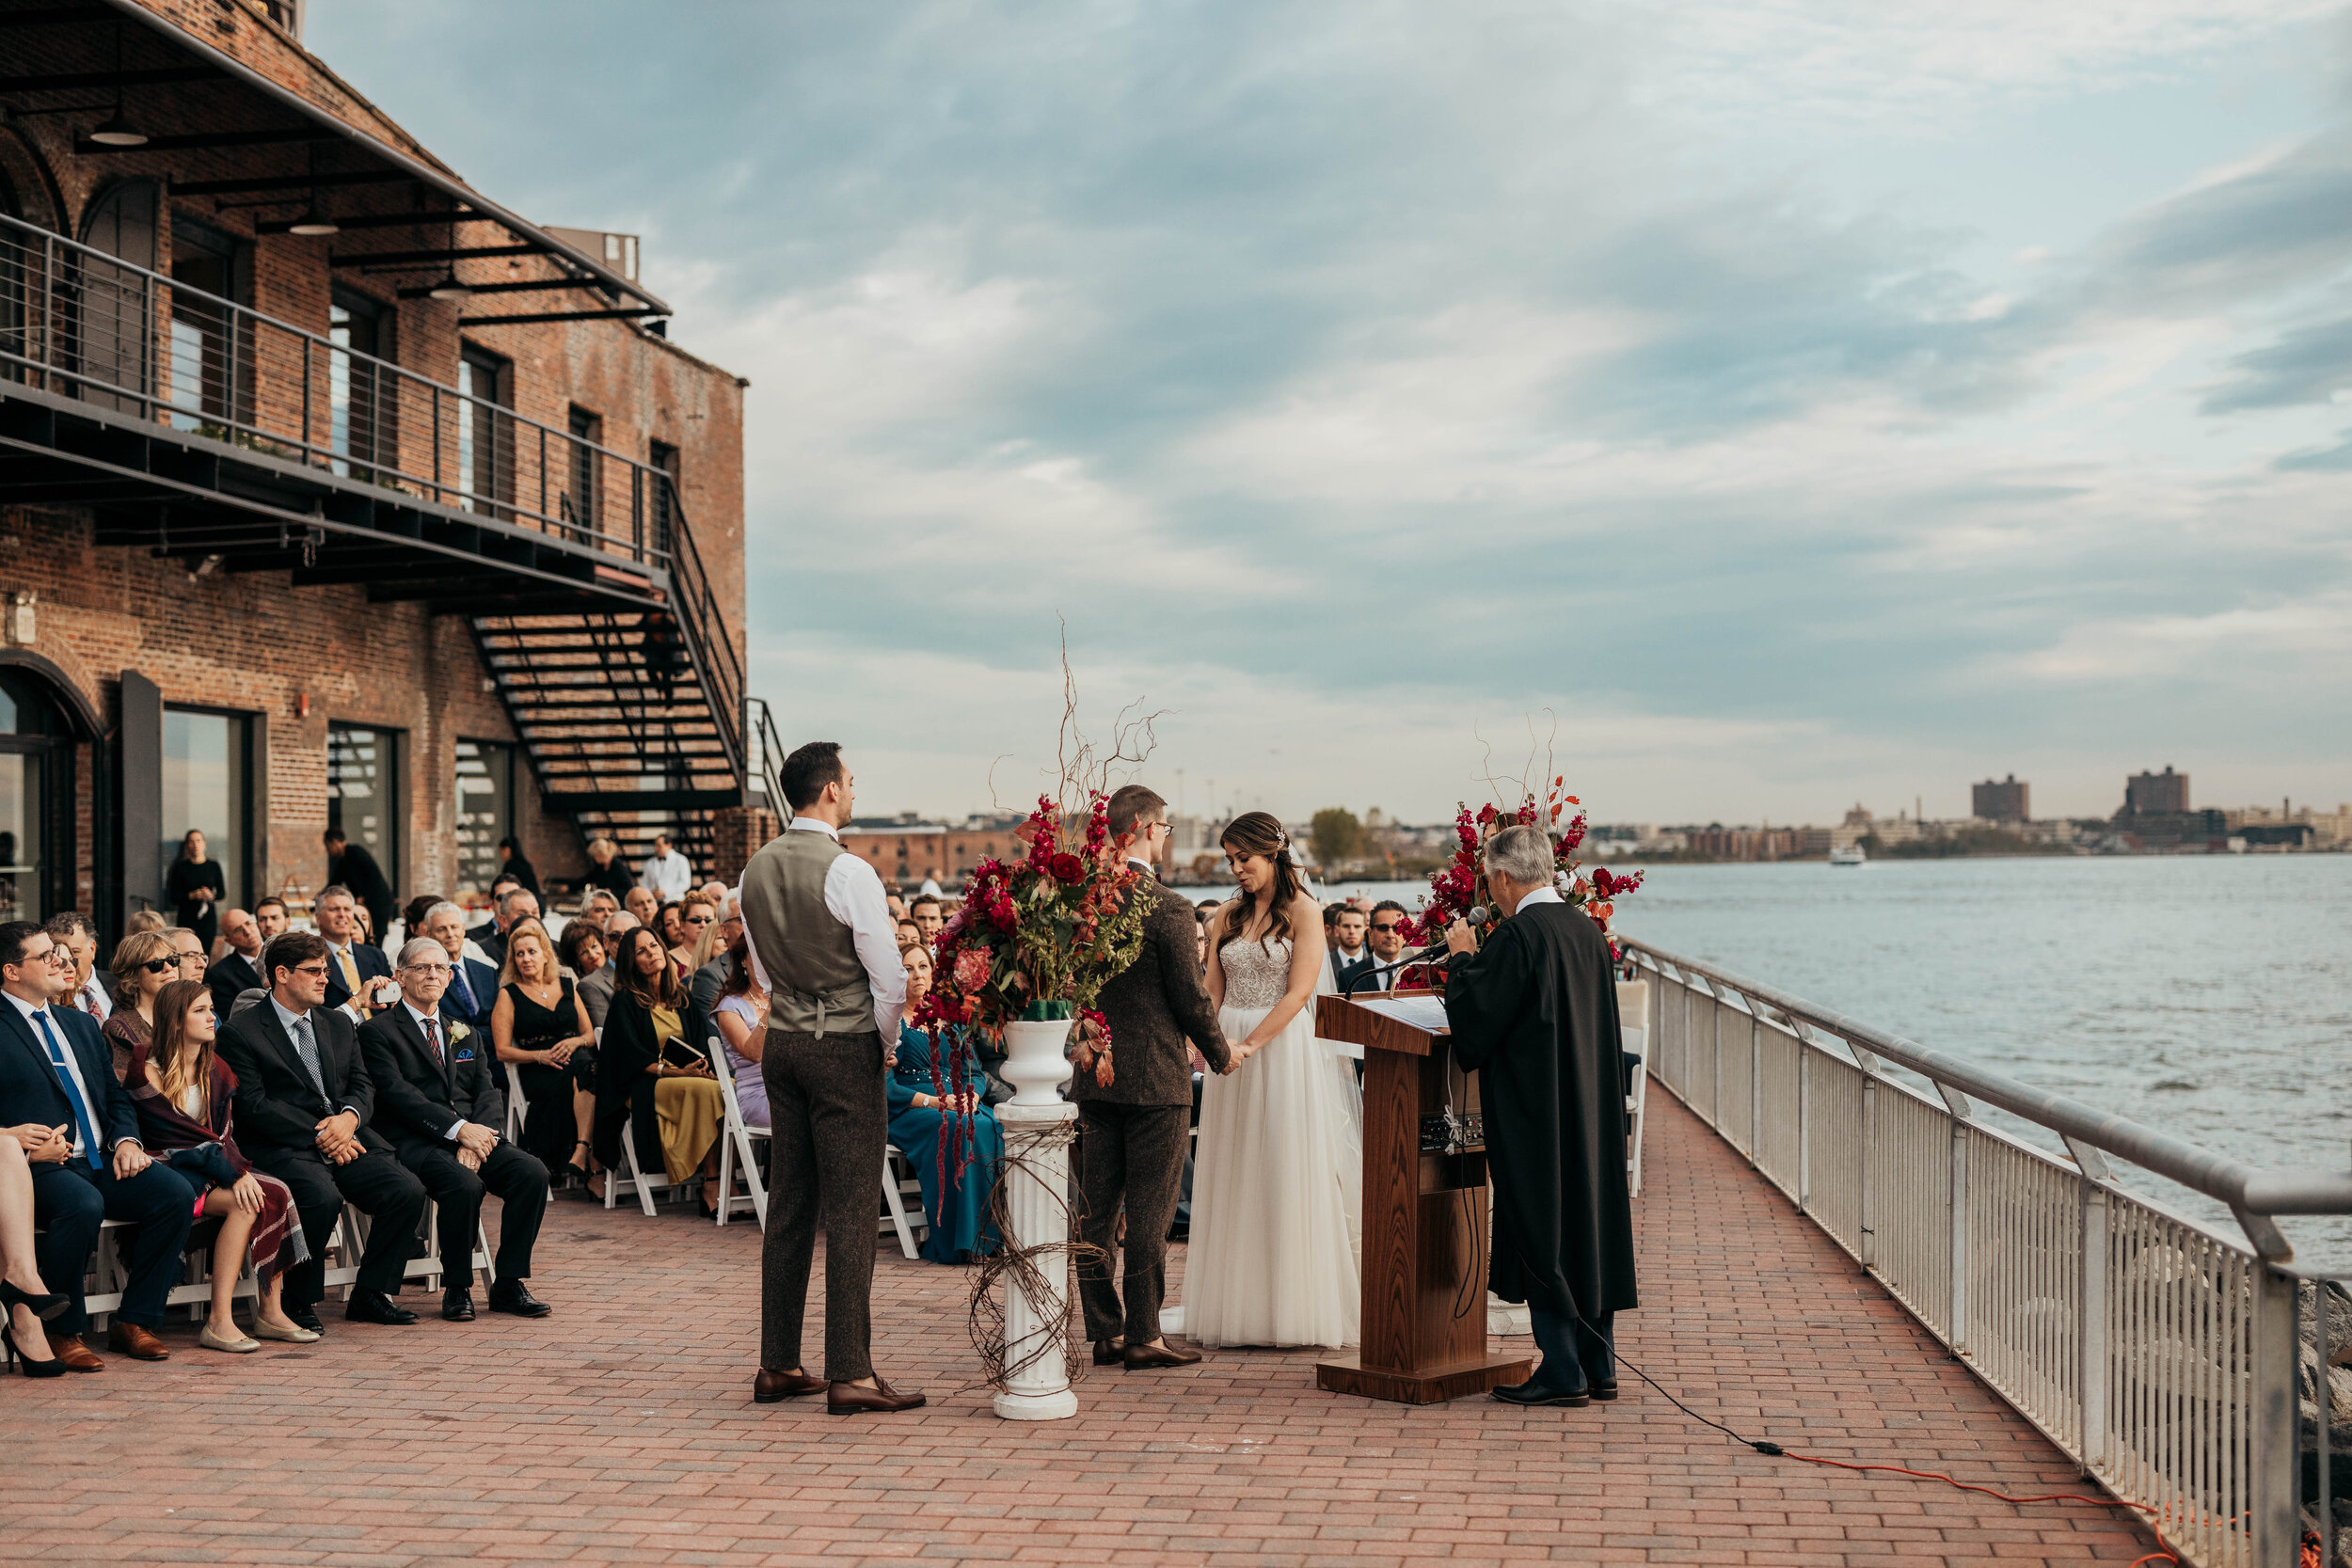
{"x":735,"y":1139}
{"x":1633,"y":1003}
{"x":636,"y":1182}
{"x":514,"y":1104}
{"x":896,"y":1188}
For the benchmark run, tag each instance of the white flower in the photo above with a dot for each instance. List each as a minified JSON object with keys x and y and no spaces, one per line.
{"x":458,"y":1032}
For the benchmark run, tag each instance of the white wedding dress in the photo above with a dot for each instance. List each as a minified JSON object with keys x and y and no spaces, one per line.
{"x":1278,"y":1179}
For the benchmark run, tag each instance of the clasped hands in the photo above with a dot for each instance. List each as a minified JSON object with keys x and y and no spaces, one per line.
{"x":474,"y":1143}
{"x":338,"y":1137}
{"x":53,"y":1146}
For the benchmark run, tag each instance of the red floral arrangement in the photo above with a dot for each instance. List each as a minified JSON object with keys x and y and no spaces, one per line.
{"x":1037,"y":938}
{"x":1460,"y":885}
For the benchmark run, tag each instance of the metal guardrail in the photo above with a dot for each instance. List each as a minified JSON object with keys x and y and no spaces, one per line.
{"x":766,"y":752}
{"x":2166,"y":1358}
{"x":77,"y":322}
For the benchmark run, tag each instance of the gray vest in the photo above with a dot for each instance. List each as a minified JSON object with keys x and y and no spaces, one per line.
{"x":819,"y":983}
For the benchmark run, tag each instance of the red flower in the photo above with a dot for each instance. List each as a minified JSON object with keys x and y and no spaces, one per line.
{"x":1066,"y":867}
{"x":972,"y":969}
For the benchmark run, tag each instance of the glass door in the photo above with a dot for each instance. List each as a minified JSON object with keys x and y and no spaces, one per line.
{"x":363,"y":792}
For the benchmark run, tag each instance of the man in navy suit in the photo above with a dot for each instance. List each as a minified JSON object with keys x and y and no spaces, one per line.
{"x":59,"y":1099}
{"x":473,"y":986}
{"x":351,"y":965}
{"x":238,"y":969}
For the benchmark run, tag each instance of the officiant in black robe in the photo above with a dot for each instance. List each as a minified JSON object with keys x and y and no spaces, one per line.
{"x":1534,"y":1012}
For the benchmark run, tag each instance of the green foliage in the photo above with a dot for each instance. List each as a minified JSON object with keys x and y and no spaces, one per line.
{"x":1335,"y":836}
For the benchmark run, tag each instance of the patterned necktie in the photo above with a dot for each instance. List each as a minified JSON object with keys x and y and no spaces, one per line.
{"x":465,"y":991}
{"x":307,"y":1047}
{"x":433,"y":1038}
{"x":72,"y":1094}
{"x":351,"y":972}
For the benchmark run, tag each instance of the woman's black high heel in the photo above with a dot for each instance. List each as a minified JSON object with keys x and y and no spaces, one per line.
{"x":54,"y":1367}
{"x":579,"y":1174}
{"x":43,"y":1308}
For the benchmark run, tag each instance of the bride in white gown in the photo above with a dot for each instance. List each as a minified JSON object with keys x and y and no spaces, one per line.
{"x":1276,"y":1187}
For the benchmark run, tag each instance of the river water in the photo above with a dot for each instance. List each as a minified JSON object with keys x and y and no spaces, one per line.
{"x":2209,"y":996}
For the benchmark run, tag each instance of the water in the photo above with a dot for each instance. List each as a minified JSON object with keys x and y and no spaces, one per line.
{"x":2206,"y":995}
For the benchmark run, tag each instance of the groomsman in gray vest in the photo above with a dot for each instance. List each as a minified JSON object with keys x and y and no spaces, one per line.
{"x":823,"y":947}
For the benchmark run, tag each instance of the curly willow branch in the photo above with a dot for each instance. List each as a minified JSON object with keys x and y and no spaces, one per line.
{"x":1039,"y":1270}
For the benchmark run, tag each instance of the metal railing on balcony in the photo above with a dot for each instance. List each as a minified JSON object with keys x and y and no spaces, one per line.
{"x":78,"y":323}
{"x":2165,"y":1357}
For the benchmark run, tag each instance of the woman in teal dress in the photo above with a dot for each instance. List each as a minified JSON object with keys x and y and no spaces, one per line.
{"x":959,"y":1215}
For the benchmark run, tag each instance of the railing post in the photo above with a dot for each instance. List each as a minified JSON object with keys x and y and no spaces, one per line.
{"x":1756,"y":1084}
{"x":2278,"y":1513}
{"x":1715,"y":1053}
{"x":1956,"y":1304}
{"x":1869,"y":1133}
{"x":1804,"y":1118}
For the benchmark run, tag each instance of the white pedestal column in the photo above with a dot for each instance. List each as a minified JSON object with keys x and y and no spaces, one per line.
{"x":1037,"y":1185}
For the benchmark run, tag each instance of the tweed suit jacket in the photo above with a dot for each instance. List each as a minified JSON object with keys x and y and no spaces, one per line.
{"x":1154,"y":1007}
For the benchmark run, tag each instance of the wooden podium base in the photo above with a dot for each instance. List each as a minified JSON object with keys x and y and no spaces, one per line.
{"x":1347,"y":1374}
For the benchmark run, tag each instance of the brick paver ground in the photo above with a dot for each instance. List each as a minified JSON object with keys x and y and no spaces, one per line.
{"x":621,"y":1429}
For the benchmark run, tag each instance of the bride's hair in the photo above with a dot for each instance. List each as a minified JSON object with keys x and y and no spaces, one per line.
{"x":1257,"y":832}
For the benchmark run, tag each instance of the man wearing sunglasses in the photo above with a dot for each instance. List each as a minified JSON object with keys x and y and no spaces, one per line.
{"x":1385,"y":946}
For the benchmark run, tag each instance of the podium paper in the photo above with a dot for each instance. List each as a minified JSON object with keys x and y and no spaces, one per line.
{"x":1421,"y":1012}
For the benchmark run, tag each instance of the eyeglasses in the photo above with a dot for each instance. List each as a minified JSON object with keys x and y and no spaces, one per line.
{"x":197,"y":959}
{"x":317,"y":969}
{"x":427,"y":970}
{"x":156,"y":966}
{"x":1392,"y":926}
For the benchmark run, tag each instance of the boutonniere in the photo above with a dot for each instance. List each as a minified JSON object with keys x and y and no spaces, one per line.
{"x":458,"y":1032}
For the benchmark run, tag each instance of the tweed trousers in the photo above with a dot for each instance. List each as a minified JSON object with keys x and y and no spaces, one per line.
{"x":831,"y":1121}
{"x":1130,"y":1155}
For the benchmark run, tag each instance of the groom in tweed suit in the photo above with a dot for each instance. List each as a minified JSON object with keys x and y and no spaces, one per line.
{"x":1133,"y":1131}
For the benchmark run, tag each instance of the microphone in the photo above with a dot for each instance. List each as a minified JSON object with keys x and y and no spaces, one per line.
{"x":1477,"y":916}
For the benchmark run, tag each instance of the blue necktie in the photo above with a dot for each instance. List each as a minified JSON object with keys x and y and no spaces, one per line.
{"x":72,"y":1094}
{"x":465,"y":991}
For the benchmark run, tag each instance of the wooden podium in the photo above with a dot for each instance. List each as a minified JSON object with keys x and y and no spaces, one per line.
{"x":1424,"y":1260}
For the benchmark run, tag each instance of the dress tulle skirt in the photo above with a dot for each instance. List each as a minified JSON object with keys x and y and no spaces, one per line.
{"x":1277,"y":1197}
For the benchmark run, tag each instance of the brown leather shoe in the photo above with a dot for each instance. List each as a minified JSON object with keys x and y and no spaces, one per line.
{"x":1109,"y":1353}
{"x":1143,"y":1357}
{"x":78,"y":1357}
{"x":769,"y":1387}
{"x":135,"y":1342}
{"x":849,"y":1399}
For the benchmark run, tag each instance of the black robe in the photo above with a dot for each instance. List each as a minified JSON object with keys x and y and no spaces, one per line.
{"x":1535,"y":1011}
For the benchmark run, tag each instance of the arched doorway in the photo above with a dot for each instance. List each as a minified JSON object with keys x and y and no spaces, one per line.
{"x":37,"y":797}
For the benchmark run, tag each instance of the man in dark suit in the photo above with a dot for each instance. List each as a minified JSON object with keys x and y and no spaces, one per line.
{"x":437,"y":1099}
{"x":1378,"y":968}
{"x":304,"y":1097}
{"x":350,"y":866}
{"x":351,"y":965}
{"x":59,"y":1099}
{"x":234,"y":973}
{"x":473,"y":986}
{"x":1134,"y":1132}
{"x":511,"y":902}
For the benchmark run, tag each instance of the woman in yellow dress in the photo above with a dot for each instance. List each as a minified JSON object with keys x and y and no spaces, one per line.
{"x":644,"y":1045}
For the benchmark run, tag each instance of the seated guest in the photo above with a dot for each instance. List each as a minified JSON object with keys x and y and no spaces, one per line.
{"x":515,"y":903}
{"x":897,"y":906}
{"x":235,"y":970}
{"x":473,"y":986}
{"x":645,"y":1047}
{"x":513,"y":862}
{"x":184,"y":1095}
{"x":958,"y":1210}
{"x":145,"y":920}
{"x":740,"y":1017}
{"x":641,"y":904}
{"x":411,"y":921}
{"x":73,"y":931}
{"x":304,"y":1099}
{"x":539,"y":1025}
{"x":665,"y":920}
{"x":269,"y":913}
{"x":193,"y":956}
{"x":596,"y":990}
{"x":599,"y":909}
{"x":606,"y":869}
{"x":911,"y":935}
{"x":26,"y":1303}
{"x":437,"y":1099}
{"x":353,"y":968}
{"x":926,"y":912}
{"x":695,"y":915}
{"x":706,"y":971}
{"x":579,"y":953}
{"x":144,"y":965}
{"x":57,"y":1086}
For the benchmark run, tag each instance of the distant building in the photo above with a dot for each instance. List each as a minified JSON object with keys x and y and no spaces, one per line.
{"x":1744,"y":843}
{"x":2151,"y":794}
{"x":908,"y":850}
{"x":2003,"y":802}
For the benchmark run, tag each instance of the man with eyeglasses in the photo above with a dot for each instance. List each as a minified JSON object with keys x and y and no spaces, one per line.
{"x":437,"y":1099}
{"x":187,"y":950}
{"x":304,"y":1101}
{"x":59,"y":1100}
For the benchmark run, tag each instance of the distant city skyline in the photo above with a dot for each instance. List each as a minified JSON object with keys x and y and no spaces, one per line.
{"x":1813,"y":404}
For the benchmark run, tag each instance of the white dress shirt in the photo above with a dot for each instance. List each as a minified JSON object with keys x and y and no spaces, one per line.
{"x":418,"y":1019}
{"x":1541,"y":896}
{"x":73,"y":1070}
{"x":93,"y":999}
{"x":854,"y":896}
{"x":294,"y":1037}
{"x":668,"y":876}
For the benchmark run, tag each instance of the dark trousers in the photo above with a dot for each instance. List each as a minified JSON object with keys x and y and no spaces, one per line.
{"x":520,"y":1182}
{"x":70,"y":1202}
{"x":1560,"y":1339}
{"x":1132,"y":1155}
{"x":830,"y":1115}
{"x":378,"y":1185}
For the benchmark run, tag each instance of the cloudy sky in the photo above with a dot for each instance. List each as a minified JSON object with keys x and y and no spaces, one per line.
{"x":1773,"y":403}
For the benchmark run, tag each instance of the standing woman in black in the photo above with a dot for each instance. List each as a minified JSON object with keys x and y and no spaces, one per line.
{"x":195,"y":888}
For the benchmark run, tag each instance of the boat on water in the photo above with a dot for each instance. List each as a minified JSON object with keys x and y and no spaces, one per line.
{"x":1848,"y":854}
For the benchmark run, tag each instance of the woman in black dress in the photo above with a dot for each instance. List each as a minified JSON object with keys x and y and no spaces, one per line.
{"x":540,"y":1026}
{"x":195,"y":888}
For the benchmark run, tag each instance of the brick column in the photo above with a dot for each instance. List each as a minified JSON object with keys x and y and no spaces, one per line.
{"x":739,"y":833}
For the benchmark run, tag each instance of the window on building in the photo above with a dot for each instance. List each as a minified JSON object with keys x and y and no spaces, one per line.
{"x":583,"y":490}
{"x":112,"y":333}
{"x":208,"y":761}
{"x":211,"y":380}
{"x":485,"y":432}
{"x":362,"y":397}
{"x":665,"y":480}
{"x":363,"y":792}
{"x":485,"y":810}
{"x":36,"y":800}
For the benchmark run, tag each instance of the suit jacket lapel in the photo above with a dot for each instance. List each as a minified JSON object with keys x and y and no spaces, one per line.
{"x":274,"y":1031}
{"x":23,"y":1033}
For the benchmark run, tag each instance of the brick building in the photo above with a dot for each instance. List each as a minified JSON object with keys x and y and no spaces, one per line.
{"x":2000,"y":799}
{"x":331,"y":491}
{"x":907,"y":850}
{"x":2166,"y":792}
